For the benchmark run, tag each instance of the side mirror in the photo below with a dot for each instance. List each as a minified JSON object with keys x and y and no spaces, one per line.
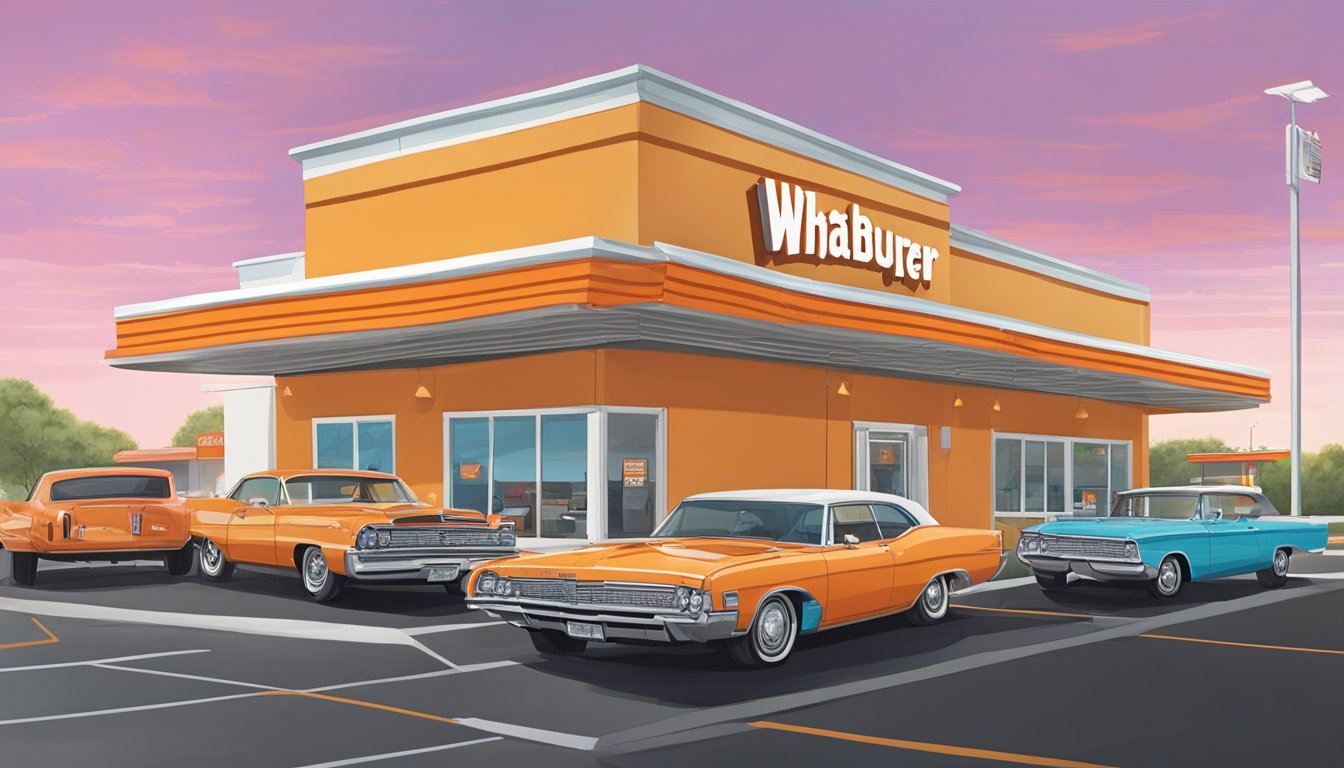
{"x":851,"y":540}
{"x":258,"y":502}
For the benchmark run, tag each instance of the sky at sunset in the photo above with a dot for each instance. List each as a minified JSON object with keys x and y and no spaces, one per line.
{"x":143,"y":148}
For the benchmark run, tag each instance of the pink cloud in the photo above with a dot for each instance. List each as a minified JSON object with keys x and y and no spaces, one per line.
{"x":31,"y":117}
{"x":923,"y":138}
{"x":59,"y":154}
{"x":1118,"y":37}
{"x":108,"y":90}
{"x":1105,"y":187}
{"x":1188,"y":119}
{"x":190,"y":203}
{"x":292,"y":60}
{"x":137,"y":221}
{"x":242,"y":29}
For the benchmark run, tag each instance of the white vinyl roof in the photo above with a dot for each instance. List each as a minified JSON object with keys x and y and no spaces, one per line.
{"x":818,"y":496}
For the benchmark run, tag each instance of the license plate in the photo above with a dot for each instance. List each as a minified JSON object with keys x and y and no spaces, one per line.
{"x":442,"y":574}
{"x":585,"y":631}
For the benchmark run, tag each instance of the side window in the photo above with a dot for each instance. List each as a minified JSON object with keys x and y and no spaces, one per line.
{"x":855,"y":520}
{"x":267,"y":488}
{"x":892,"y":520}
{"x":1232,"y":506}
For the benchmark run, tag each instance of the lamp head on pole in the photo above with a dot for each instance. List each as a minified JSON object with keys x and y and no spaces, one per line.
{"x":1303,"y":92}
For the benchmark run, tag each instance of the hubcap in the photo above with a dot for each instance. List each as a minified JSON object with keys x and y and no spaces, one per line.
{"x":315,"y":569}
{"x":210,"y":556}
{"x":774,"y":630}
{"x":1170,"y":576}
{"x":1281,"y":563}
{"x":933,"y":596}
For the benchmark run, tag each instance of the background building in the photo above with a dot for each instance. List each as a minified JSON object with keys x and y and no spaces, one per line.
{"x":579,"y":305}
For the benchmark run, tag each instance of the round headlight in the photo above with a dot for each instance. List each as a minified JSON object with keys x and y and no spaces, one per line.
{"x":1032,"y":544}
{"x":485,"y":583}
{"x":683,"y":596}
{"x":384,"y":538}
{"x":1131,"y":550}
{"x":366,"y":538}
{"x":1044,"y":545}
{"x":503,"y":587}
{"x":697,"y":602}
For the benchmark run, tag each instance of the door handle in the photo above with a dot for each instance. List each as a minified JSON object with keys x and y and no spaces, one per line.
{"x":240,"y":512}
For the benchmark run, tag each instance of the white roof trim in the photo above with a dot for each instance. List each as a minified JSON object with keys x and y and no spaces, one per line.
{"x":1015,"y":255}
{"x":596,"y":94}
{"x":586,"y":247}
{"x":267,"y":259}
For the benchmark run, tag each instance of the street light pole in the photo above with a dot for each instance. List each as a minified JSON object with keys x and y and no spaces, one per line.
{"x":1306,"y":93}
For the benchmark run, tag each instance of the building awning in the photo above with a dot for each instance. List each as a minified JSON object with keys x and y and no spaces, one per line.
{"x":140,"y":455}
{"x":592,"y":292}
{"x":1237,"y":457}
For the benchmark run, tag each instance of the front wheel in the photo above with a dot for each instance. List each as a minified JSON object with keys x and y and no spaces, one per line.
{"x":1276,"y":575}
{"x":771,"y":637}
{"x":932,"y":604}
{"x":25,"y":568}
{"x":553,"y":643}
{"x":214,"y":566}
{"x":1170,"y":579}
{"x":179,"y":563}
{"x":322,"y":585}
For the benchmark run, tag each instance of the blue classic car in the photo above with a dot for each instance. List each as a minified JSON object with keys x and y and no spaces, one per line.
{"x":1168,"y":536}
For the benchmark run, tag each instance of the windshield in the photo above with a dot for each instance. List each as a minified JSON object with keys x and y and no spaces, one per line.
{"x":347,"y":489}
{"x":770,"y":520}
{"x":111,"y":487}
{"x":1166,"y":506}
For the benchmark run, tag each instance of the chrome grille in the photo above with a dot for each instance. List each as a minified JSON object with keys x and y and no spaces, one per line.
{"x":595,"y":593}
{"x":1084,"y":546}
{"x":435,"y":536}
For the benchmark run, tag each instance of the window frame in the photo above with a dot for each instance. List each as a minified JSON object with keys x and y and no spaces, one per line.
{"x":354,"y":422}
{"x":281,"y":498}
{"x":1068,"y":441}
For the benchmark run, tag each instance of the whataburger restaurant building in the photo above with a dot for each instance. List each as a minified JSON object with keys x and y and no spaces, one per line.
{"x":582,"y":304}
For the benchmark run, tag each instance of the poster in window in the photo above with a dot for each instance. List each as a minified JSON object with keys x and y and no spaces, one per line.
{"x":634,"y":472}
{"x":469,"y":470}
{"x":886,"y":455}
{"x":1089,"y":501}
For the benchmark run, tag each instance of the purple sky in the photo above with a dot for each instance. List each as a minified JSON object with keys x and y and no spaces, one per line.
{"x":143,"y":148}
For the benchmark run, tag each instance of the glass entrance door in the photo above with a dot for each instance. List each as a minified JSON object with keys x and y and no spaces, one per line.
{"x":892,"y":458}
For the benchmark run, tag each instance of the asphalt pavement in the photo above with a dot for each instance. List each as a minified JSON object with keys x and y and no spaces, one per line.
{"x":124,"y":665}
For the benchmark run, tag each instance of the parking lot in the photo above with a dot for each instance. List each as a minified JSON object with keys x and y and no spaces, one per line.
{"x":124,"y":665}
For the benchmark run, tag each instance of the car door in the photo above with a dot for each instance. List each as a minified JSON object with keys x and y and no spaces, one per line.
{"x":252,"y":525}
{"x":860,"y":574}
{"x":1233,"y":543}
{"x":909,"y":575}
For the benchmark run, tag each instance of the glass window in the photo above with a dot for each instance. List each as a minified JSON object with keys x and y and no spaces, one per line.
{"x":564,"y":476}
{"x":632,"y":484}
{"x":110,"y":487}
{"x":1227,"y":506}
{"x":469,"y":464}
{"x":1168,"y":506}
{"x":267,"y":488}
{"x":515,"y":471}
{"x":1119,"y":469}
{"x":855,"y":520}
{"x":888,"y":462}
{"x":375,"y":446}
{"x":892,"y":521}
{"x":1091,"y":487}
{"x":1054,"y":476}
{"x":335,"y":445}
{"x":1007,"y":475}
{"x":1034,"y":484}
{"x":727,"y":518}
{"x":346,"y":489}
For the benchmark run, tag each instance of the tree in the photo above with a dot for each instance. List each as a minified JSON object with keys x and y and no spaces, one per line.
{"x":205,"y":420}
{"x":37,"y":437}
{"x":1166,"y":459}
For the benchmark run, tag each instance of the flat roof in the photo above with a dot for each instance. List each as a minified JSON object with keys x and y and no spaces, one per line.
{"x":1235,"y":457}
{"x":154,"y":454}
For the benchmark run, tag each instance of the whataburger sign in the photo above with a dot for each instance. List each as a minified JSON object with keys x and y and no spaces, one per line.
{"x":792,"y":225}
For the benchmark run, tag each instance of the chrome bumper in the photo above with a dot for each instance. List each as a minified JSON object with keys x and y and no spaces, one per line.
{"x":414,"y":564}
{"x":655,"y":627}
{"x":1101,"y":570}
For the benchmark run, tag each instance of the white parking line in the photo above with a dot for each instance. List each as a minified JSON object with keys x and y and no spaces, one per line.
{"x":185,"y":676}
{"x":990,"y":586}
{"x":123,"y":710}
{"x":416,"y":631}
{"x":95,"y":662}
{"x":465,"y":668}
{"x":403,"y":753}
{"x":540,"y":735}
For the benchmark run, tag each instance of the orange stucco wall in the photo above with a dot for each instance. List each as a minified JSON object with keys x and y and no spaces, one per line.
{"x":643,"y":174}
{"x":731,"y":423}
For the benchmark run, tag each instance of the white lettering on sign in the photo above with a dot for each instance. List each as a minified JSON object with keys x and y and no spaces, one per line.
{"x":791,"y":225}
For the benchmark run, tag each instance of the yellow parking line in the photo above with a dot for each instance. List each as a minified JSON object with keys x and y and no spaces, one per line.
{"x":1020,"y":611}
{"x":920,"y":746}
{"x":1299,"y":649}
{"x":50,"y":639}
{"x":365,"y":704}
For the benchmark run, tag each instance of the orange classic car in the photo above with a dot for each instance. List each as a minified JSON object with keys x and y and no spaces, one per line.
{"x":334,"y":525}
{"x":746,"y":570}
{"x":123,"y":513}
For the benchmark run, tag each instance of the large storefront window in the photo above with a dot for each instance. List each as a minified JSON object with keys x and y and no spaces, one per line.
{"x":1035,"y":476}
{"x":363,"y":442}
{"x":541,"y":469}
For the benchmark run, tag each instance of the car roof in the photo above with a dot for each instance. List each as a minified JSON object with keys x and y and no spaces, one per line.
{"x":285,"y":474}
{"x":818,"y":496}
{"x":66,"y":474}
{"x":1193,"y":489}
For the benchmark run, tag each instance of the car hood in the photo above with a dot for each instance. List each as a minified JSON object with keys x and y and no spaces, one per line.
{"x":659,"y":561}
{"x":1118,"y":527}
